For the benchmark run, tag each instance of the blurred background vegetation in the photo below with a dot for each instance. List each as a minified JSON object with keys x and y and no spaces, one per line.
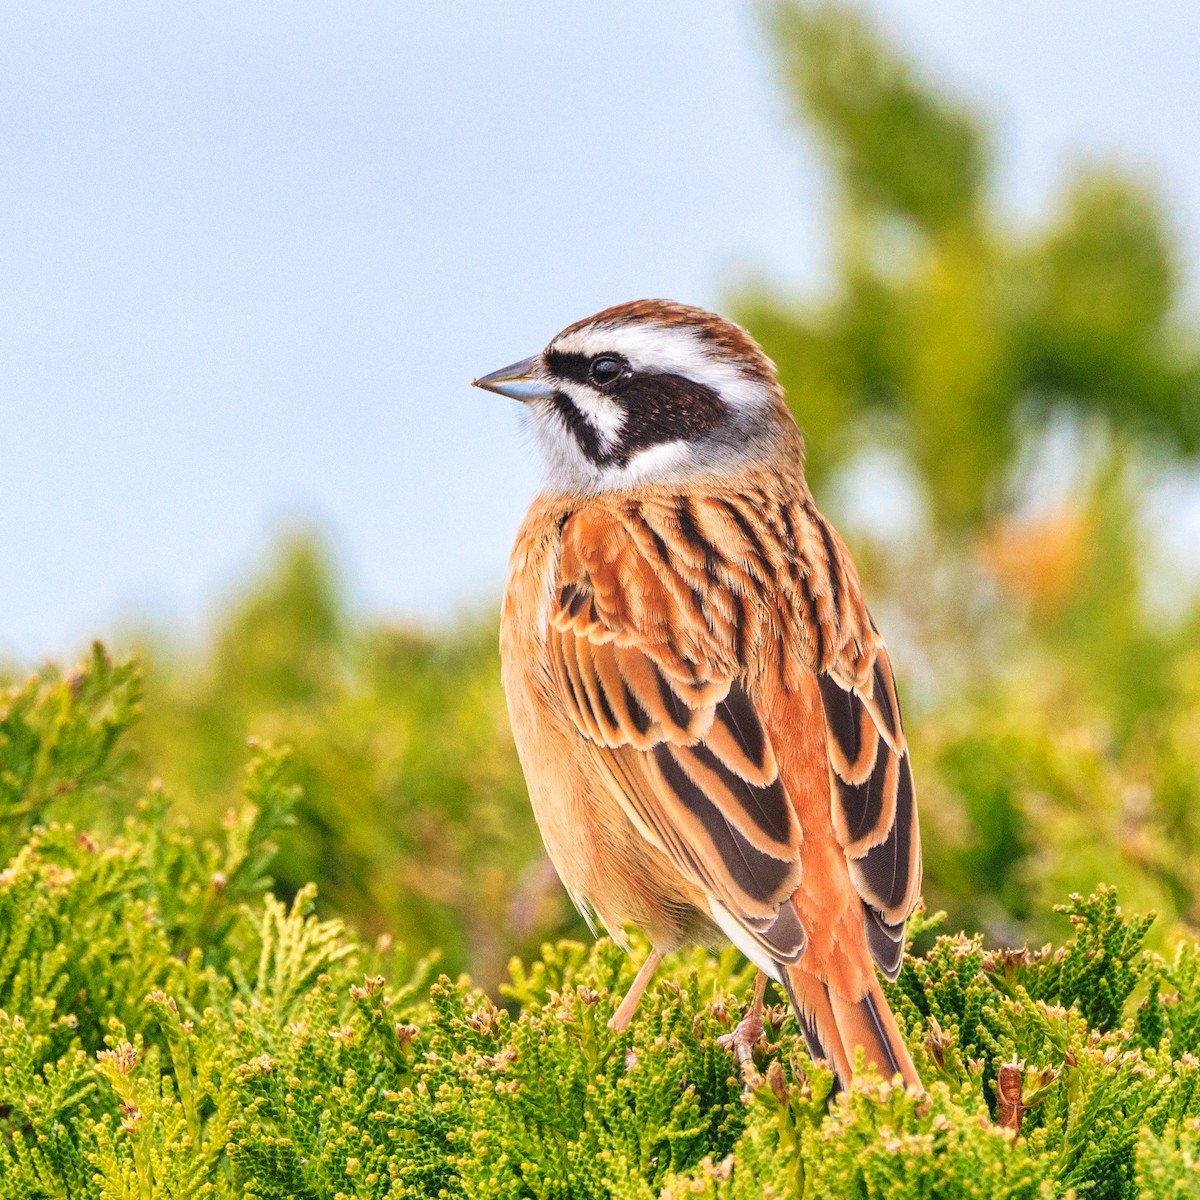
{"x":1011,"y":398}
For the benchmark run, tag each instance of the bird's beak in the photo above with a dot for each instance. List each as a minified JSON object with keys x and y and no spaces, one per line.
{"x":524,"y":380}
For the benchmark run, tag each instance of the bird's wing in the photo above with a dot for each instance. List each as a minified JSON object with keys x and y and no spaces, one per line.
{"x":647,"y":655}
{"x":667,"y":616}
{"x":874,"y":805}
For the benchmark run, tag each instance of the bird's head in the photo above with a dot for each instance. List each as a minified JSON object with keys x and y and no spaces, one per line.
{"x":649,"y":392}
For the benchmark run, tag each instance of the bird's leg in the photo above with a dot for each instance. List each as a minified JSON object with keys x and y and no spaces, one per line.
{"x":624,"y":1014}
{"x":749,"y":1030}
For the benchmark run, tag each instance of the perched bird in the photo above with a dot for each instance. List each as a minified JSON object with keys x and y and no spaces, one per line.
{"x":703,"y":707}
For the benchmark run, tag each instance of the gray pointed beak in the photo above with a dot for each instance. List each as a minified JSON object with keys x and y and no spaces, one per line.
{"x":524,"y":380}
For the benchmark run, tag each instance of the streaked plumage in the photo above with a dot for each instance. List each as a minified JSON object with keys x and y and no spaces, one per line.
{"x":704,"y":709}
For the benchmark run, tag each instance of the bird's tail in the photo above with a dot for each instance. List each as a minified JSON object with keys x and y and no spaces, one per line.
{"x":834,"y":1028}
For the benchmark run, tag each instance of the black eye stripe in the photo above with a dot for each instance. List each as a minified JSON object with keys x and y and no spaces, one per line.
{"x":568,"y":366}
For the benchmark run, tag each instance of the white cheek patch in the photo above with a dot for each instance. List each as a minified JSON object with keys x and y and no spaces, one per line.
{"x":604,"y":415}
{"x":566,"y":464}
{"x":666,"y":350}
{"x":655,"y":463}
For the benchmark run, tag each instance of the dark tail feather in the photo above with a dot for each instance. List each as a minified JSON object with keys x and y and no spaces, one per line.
{"x":834,"y":1028}
{"x":813,"y":1040}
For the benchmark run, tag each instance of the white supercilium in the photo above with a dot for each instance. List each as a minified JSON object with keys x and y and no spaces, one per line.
{"x":674,"y":350}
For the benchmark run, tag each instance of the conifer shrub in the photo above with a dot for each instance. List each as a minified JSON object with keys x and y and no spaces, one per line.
{"x":169,"y":1027}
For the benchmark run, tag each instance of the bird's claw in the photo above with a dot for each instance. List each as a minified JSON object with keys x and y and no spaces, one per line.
{"x":745,"y":1036}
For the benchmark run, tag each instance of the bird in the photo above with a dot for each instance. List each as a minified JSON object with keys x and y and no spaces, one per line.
{"x":704,"y":710}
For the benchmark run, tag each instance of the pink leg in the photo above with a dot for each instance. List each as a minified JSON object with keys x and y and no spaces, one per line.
{"x":624,"y":1014}
{"x":749,"y":1030}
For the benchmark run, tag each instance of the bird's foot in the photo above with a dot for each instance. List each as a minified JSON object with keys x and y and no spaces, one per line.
{"x":745,"y":1036}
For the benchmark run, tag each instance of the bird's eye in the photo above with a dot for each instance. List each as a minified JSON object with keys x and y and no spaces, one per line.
{"x":606,"y":368}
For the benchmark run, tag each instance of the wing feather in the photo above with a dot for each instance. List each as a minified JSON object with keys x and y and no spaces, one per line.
{"x":874,"y":805}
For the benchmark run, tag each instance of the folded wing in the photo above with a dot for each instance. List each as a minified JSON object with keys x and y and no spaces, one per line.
{"x":662,"y":701}
{"x":659,"y":616}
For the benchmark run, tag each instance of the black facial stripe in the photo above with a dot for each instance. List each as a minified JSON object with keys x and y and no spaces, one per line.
{"x":581,"y":428}
{"x":568,"y":366}
{"x":658,"y":408}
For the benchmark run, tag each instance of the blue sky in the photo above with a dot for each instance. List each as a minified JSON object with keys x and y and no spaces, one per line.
{"x":252,"y":255}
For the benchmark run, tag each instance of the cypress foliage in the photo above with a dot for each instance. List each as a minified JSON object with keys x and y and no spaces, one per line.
{"x":169,"y":1027}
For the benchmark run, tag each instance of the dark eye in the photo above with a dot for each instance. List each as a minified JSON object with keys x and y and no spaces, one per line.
{"x":605,"y":369}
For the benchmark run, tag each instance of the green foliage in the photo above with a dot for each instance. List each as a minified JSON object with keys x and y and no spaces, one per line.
{"x":1029,"y":790}
{"x":413,"y":815}
{"x":898,"y":147}
{"x":60,"y":737}
{"x":169,"y":1027}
